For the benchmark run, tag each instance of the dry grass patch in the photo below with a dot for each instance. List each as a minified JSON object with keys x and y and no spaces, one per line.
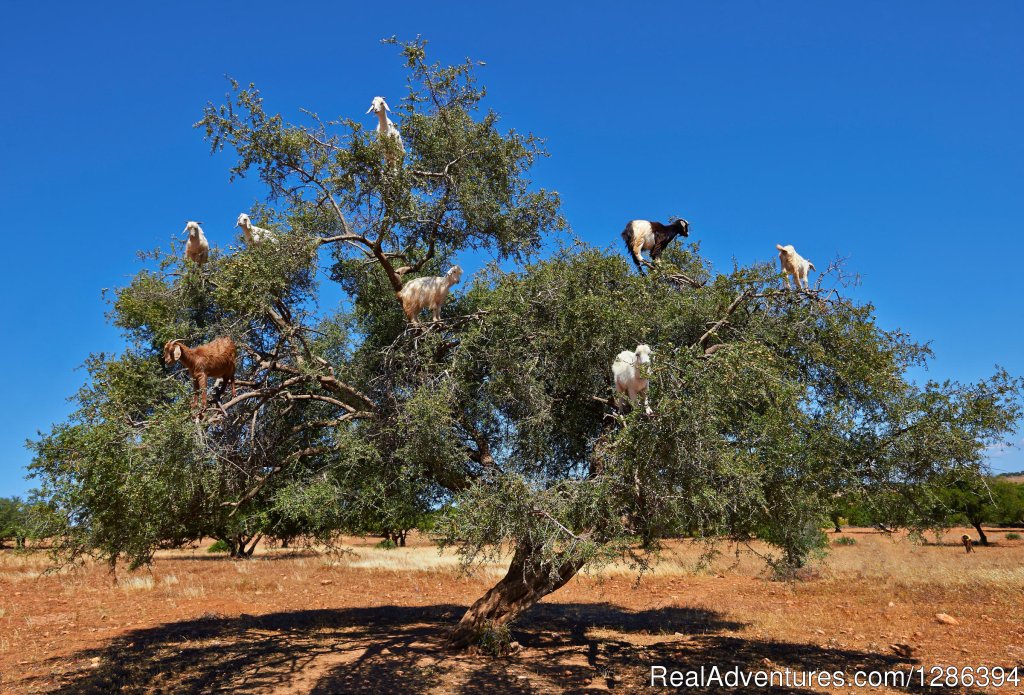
{"x":145,"y":583}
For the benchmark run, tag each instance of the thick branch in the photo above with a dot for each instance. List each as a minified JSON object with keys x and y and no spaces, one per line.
{"x":740,"y":298}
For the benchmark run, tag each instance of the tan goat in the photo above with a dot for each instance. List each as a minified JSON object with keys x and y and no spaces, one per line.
{"x":197,"y":248}
{"x":214,"y":360}
{"x":794,"y":264}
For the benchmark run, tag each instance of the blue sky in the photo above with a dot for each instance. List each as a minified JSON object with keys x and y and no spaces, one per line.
{"x":889,"y":133}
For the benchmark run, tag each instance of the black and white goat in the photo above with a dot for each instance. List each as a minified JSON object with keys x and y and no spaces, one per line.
{"x":644,"y":235}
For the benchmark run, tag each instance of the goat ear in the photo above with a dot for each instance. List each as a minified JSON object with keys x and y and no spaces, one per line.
{"x":386,"y":107}
{"x":177,"y":352}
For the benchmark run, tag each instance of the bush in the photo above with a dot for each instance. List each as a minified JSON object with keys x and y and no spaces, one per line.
{"x":219,"y":547}
{"x":1013,"y":536}
{"x":386,"y":544}
{"x":495,"y":640}
{"x":844,"y":540}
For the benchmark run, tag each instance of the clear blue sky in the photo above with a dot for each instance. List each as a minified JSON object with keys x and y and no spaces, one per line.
{"x":886,"y":132}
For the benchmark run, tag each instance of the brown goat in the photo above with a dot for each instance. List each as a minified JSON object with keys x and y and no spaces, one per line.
{"x":968,"y":543}
{"x":214,"y":360}
{"x":643,"y":235}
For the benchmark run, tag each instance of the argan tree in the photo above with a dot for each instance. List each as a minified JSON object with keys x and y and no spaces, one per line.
{"x":980,"y":501}
{"x":767,"y":403}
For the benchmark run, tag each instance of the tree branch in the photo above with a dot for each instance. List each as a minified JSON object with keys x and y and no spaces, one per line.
{"x":740,"y":298}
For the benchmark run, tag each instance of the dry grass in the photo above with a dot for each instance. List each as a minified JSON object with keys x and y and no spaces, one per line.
{"x":137,"y":583}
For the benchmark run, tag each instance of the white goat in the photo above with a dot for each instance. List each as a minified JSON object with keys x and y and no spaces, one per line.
{"x":626,"y":370}
{"x":794,"y":264}
{"x":254,"y":235}
{"x":197,"y":248}
{"x":385,"y":126}
{"x":428,"y":292}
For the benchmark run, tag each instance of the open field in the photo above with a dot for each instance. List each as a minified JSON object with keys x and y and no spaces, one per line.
{"x":371,"y":621}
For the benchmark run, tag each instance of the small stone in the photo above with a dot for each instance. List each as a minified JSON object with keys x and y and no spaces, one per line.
{"x":946,"y":619}
{"x":892,"y":604}
{"x":904,"y":650}
{"x":325,"y":582}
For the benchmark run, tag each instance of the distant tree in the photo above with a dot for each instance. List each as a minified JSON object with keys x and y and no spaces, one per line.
{"x":979,"y":501}
{"x":1009,"y":498}
{"x":15,"y":523}
{"x":499,"y":413}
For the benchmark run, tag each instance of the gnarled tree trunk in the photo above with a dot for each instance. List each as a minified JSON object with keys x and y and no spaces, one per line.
{"x":528,"y":580}
{"x":982,"y":538}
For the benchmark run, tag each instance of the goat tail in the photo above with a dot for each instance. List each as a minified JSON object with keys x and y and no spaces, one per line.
{"x":627,"y":236}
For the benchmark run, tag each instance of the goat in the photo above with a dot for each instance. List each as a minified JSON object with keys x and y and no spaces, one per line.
{"x":254,"y":235}
{"x":794,"y":264}
{"x":197,"y":248}
{"x":385,"y":126}
{"x":625,"y":370}
{"x":644,"y":235}
{"x":425,"y":292}
{"x":215,"y":360}
{"x":968,"y":543}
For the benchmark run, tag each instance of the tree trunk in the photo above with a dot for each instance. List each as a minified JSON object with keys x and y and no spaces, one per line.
{"x":527,"y":581}
{"x":835,"y":523}
{"x":982,"y":538}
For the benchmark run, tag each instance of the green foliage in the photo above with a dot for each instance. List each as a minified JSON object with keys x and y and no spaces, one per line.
{"x":844,"y":540}
{"x":16,"y":521}
{"x":386,"y":544}
{"x":1013,"y":536}
{"x":975,"y":500}
{"x":494,"y":639}
{"x":219,"y":547}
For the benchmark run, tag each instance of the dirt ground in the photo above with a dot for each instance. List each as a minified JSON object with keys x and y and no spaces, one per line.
{"x":372,"y":621}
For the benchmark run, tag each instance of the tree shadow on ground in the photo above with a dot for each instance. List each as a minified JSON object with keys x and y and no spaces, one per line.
{"x":392,"y":649}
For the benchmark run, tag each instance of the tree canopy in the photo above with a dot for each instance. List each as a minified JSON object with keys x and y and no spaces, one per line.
{"x":768,"y":403}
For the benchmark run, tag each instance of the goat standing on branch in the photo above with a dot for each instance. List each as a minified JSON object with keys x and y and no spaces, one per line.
{"x":794,"y":264}
{"x":197,"y":248}
{"x":626,"y":370}
{"x":643,"y":235}
{"x":428,"y":292}
{"x":254,"y":235}
{"x":214,"y":360}
{"x":385,"y":126}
